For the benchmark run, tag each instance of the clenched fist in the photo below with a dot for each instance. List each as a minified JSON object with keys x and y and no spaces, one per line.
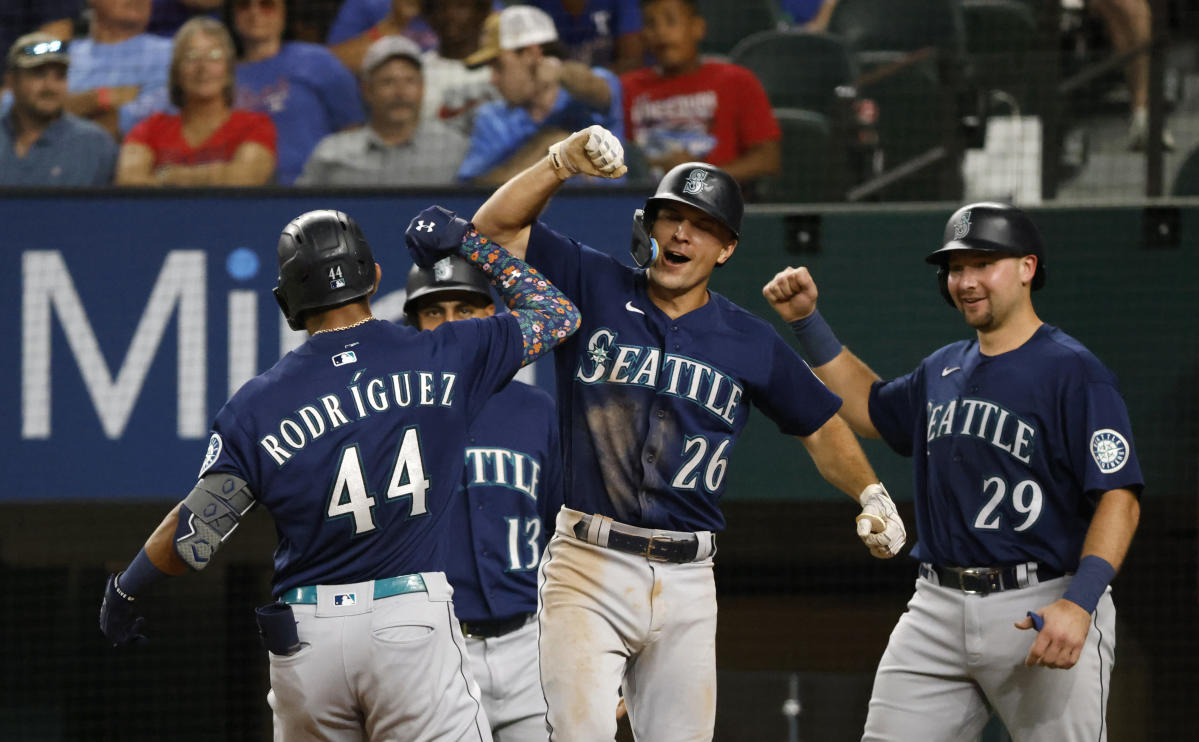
{"x":590,"y":151}
{"x":791,"y":293}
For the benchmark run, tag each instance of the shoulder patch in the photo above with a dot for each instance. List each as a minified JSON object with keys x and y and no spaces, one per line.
{"x":215,"y":445}
{"x":1109,"y":449}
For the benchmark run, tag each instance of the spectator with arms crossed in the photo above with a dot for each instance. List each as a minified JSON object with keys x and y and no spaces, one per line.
{"x":207,"y":142}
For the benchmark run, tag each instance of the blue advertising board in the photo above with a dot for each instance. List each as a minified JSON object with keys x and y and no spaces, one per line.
{"x":136,"y":316}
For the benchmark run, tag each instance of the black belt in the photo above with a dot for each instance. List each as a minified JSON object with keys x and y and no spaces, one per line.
{"x":491,"y":628}
{"x":984,"y":580}
{"x":679,"y":550}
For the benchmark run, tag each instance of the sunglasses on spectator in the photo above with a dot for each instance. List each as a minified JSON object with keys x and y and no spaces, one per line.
{"x":196,"y":55}
{"x":264,"y":4}
{"x":45,"y":47}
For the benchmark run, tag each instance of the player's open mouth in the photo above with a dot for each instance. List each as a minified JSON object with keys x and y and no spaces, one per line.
{"x":676,"y":258}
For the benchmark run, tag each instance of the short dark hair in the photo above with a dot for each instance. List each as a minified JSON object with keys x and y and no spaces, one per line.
{"x":692,"y":5}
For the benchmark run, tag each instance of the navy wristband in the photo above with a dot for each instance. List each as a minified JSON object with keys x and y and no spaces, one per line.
{"x":139,"y":575}
{"x":816,"y":339}
{"x":1089,"y":582}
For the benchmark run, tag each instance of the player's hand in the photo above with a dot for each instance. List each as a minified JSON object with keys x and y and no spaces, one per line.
{"x":118,"y":618}
{"x":879,"y":524}
{"x":433,"y":234}
{"x":792,"y":293}
{"x":1062,"y":636}
{"x":590,"y":151}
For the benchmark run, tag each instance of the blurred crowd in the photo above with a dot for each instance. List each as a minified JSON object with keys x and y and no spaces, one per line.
{"x":385,"y":92}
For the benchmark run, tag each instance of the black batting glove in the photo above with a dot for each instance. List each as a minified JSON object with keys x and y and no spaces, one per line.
{"x":118,"y":618}
{"x":433,"y":234}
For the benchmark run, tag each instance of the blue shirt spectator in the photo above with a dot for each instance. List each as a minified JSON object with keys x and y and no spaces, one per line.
{"x":307,"y":92}
{"x":543,"y":97}
{"x":40,"y":144}
{"x":142,"y":61}
{"x":605,"y":33}
{"x":355,"y":17}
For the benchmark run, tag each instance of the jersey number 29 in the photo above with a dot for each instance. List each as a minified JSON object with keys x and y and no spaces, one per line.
{"x":1026,"y":499}
{"x":351,"y":497}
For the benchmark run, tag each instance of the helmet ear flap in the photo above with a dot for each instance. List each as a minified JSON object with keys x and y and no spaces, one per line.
{"x":292,"y":322}
{"x":943,"y":285}
{"x":644,"y":248}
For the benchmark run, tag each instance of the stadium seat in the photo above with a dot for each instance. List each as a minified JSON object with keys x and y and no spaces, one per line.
{"x":1001,"y":36}
{"x":811,"y":169}
{"x":729,"y":23}
{"x":798,"y":69}
{"x":900,"y":25}
{"x":1186,"y":183}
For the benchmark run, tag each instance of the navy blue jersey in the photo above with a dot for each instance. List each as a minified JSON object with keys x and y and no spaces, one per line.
{"x":649,"y":407}
{"x":353,"y":442}
{"x":513,"y":483}
{"x":1010,"y":452}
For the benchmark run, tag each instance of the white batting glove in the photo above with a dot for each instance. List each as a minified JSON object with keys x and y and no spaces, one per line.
{"x":879,"y":524}
{"x":590,"y":151}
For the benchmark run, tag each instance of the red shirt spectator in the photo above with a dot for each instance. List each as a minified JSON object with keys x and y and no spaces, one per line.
{"x":163,"y":134}
{"x":686,"y":108}
{"x":714,"y":113}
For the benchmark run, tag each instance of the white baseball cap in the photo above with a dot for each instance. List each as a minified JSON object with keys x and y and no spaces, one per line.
{"x":387,"y":48}
{"x":514,"y":27}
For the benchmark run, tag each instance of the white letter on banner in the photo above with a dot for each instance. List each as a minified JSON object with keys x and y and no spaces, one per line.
{"x":46,"y":282}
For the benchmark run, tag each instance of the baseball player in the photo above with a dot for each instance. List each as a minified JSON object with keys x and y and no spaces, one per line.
{"x":513,"y":489}
{"x":353,"y":442}
{"x":654,"y":392}
{"x":1026,"y":489}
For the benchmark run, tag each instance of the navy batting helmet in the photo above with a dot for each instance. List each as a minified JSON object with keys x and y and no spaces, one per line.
{"x":452,"y":273}
{"x":324,"y":261}
{"x":698,"y":184}
{"x":990,"y":227}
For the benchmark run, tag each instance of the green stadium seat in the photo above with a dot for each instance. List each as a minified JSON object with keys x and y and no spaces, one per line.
{"x":730,"y":22}
{"x":811,"y":170}
{"x":799,"y":69}
{"x":1001,"y":37}
{"x":1186,"y":183}
{"x":900,"y":25}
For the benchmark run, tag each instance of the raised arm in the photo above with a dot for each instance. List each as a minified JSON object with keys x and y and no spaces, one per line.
{"x":545,"y":315}
{"x":508,"y":214}
{"x":792,"y":293}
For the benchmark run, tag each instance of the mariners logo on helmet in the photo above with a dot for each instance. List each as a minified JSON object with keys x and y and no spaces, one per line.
{"x":1109,"y":449}
{"x":696,"y":181}
{"x":443,"y":269}
{"x":962,"y":228}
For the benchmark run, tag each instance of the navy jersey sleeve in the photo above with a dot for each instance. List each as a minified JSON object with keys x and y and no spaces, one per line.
{"x":894,"y":407}
{"x":1102,"y":449}
{"x":230,"y":449}
{"x":558,"y":257}
{"x":492,"y":351}
{"x":795,"y":399}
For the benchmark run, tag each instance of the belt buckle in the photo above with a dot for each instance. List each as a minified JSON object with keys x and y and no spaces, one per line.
{"x":662,"y":545}
{"x":981,"y":578}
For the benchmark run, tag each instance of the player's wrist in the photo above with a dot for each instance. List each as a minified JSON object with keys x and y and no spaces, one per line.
{"x":1090,"y":582}
{"x":138,"y":576}
{"x":816,"y":339}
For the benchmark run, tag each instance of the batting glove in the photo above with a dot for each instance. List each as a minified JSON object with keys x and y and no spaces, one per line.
{"x":590,"y":151}
{"x":118,"y":618}
{"x":879,"y":524}
{"x":433,"y":234}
